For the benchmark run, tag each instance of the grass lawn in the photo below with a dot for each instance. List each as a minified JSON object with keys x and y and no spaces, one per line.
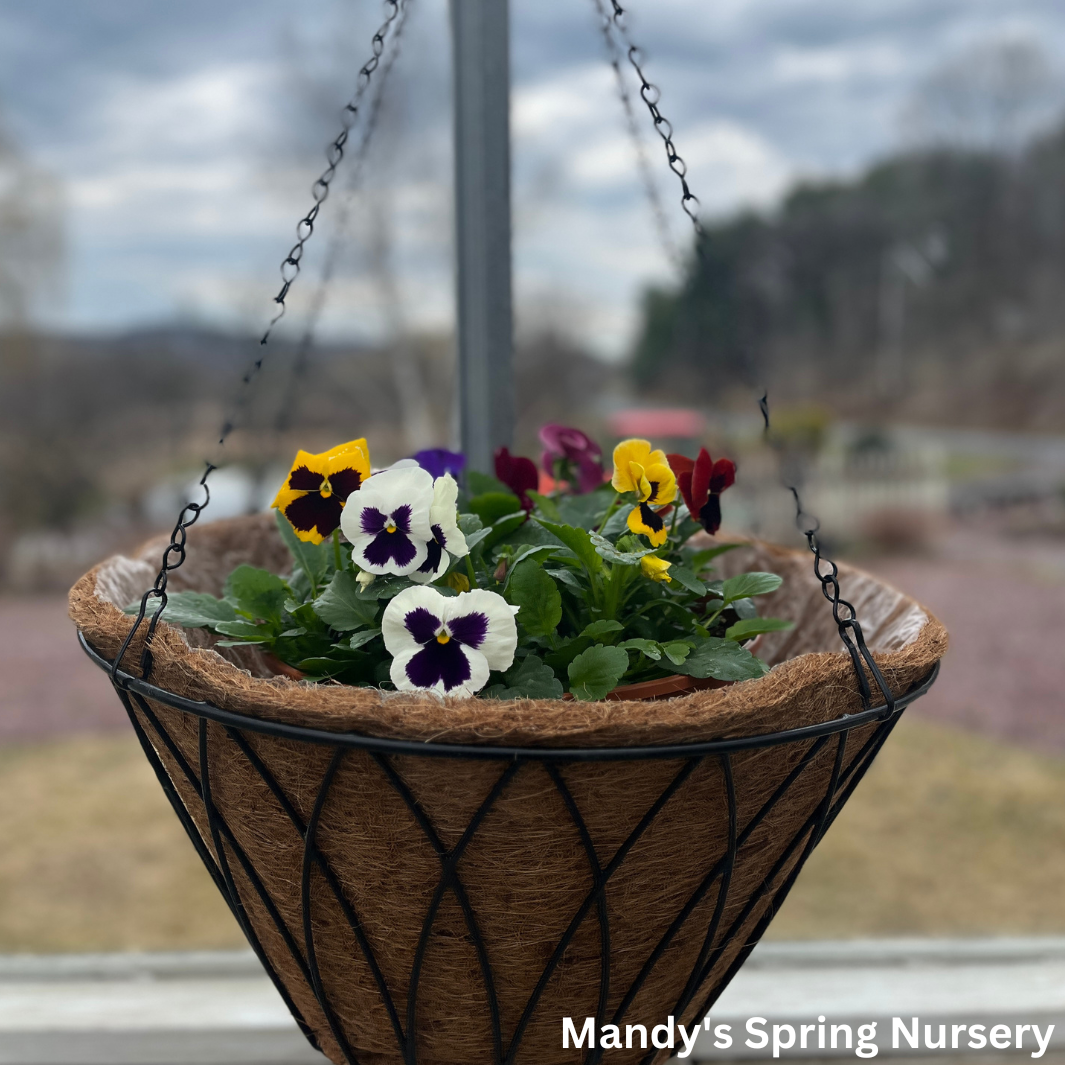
{"x":950,"y":834}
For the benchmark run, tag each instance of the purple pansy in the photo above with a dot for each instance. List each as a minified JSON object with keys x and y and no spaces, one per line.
{"x":571,"y":456}
{"x":438,"y":461}
{"x":389,"y":528}
{"x":448,"y":644}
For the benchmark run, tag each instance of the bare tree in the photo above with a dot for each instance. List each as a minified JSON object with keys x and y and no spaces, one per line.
{"x":993,"y":95}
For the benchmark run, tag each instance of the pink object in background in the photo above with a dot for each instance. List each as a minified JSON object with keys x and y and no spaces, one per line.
{"x":672,"y":422}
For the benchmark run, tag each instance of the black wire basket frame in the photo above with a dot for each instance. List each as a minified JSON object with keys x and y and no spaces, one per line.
{"x":136,"y":692}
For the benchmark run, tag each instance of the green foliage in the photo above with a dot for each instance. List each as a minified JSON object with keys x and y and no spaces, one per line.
{"x":597,"y":671}
{"x":531,"y":589}
{"x":589,"y":618}
{"x":341,"y":606}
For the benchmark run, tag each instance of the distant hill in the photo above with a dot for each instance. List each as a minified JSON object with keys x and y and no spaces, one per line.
{"x":933,"y":285}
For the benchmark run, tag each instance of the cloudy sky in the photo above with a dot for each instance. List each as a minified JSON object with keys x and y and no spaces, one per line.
{"x":186,"y":136}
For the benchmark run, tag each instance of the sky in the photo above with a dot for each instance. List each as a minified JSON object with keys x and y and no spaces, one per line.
{"x":186,"y":136}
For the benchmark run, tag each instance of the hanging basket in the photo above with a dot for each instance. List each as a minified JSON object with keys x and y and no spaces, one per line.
{"x":440,"y":882}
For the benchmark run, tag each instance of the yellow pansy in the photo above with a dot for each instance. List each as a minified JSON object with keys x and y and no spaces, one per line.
{"x":656,"y":568}
{"x":640,"y":469}
{"x":318,"y":486}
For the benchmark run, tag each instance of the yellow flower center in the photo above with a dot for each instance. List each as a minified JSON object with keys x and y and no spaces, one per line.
{"x":326,"y":490}
{"x":390,"y":527}
{"x":442,"y":637}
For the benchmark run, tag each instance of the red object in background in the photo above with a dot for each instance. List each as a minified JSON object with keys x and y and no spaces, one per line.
{"x":672,"y":422}
{"x":519,"y":474}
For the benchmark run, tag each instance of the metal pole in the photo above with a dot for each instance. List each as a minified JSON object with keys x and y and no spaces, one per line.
{"x":481,"y":59}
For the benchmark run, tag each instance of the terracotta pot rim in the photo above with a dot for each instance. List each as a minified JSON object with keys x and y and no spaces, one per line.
{"x":645,"y":691}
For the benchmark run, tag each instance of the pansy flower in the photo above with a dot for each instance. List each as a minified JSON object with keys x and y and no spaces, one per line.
{"x":317,"y":488}
{"x":447,"y":536}
{"x":448,"y":645}
{"x":657,"y":569}
{"x":388,"y":522}
{"x":701,"y":483}
{"x":518,"y":474}
{"x":639,"y":469}
{"x":572,"y":456}
{"x":439,"y":461}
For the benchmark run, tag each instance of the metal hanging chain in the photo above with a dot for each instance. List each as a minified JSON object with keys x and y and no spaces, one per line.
{"x":643,"y":161}
{"x":290,"y":267}
{"x":850,"y":631}
{"x":301,"y":360}
{"x":174,"y":554}
{"x":651,"y":95}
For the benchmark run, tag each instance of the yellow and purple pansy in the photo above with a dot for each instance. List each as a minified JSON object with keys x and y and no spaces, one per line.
{"x":318,"y":487}
{"x":448,"y":644}
{"x":645,"y":472}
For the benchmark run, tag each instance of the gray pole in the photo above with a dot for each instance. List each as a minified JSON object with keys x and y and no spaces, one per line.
{"x":481,"y":59}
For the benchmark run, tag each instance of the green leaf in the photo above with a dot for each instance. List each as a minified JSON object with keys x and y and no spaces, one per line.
{"x":342,"y":608}
{"x":583,"y":511}
{"x":745,"y":608}
{"x":618,"y":523}
{"x":750,"y":627}
{"x":676,"y":651}
{"x":605,"y":549}
{"x":744,"y":585}
{"x":504,"y":527}
{"x":700,"y":559}
{"x":647,"y":647}
{"x":480,"y":484}
{"x":257,"y":592}
{"x":687,"y":579}
{"x":316,"y":560}
{"x":547,"y":507}
{"x":595,"y":672}
{"x":360,"y":638}
{"x":492,"y":506}
{"x":245,"y":631}
{"x":566,"y":576}
{"x":598,"y":629}
{"x":190,"y":610}
{"x":722,"y":659}
{"x":385,"y":587}
{"x":531,"y":552}
{"x":531,"y":679}
{"x":578,"y":541}
{"x":531,"y":589}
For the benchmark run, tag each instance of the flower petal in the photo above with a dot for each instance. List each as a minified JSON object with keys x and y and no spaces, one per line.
{"x":411,"y":603}
{"x":447,"y":669}
{"x":500,"y":632}
{"x":644,"y":521}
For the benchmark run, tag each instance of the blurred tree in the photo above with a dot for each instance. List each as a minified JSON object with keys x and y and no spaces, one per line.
{"x":992,"y":95}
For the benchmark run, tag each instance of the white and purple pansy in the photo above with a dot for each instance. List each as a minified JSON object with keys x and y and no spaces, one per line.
{"x":447,"y":536}
{"x":448,"y":644}
{"x":388,"y":527}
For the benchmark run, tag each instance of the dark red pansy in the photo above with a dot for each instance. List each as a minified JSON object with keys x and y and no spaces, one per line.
{"x":518,"y":474}
{"x":701,"y":483}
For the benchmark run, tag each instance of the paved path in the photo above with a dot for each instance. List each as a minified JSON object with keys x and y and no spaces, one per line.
{"x":47,"y":686}
{"x":1004,"y":605}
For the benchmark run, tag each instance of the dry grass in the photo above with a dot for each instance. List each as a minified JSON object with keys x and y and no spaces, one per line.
{"x":950,"y":834}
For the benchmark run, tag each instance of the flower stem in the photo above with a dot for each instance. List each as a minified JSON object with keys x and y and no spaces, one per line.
{"x":610,"y":511}
{"x":336,"y":550}
{"x":469,"y":572}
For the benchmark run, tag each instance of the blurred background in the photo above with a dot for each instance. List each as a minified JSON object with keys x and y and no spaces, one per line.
{"x":883,"y":193}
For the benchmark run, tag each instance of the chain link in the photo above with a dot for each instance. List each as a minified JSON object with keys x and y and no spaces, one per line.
{"x":651,"y":95}
{"x":843,"y":612}
{"x":643,"y":161}
{"x":301,"y":360}
{"x":174,"y":554}
{"x":291,"y":265}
